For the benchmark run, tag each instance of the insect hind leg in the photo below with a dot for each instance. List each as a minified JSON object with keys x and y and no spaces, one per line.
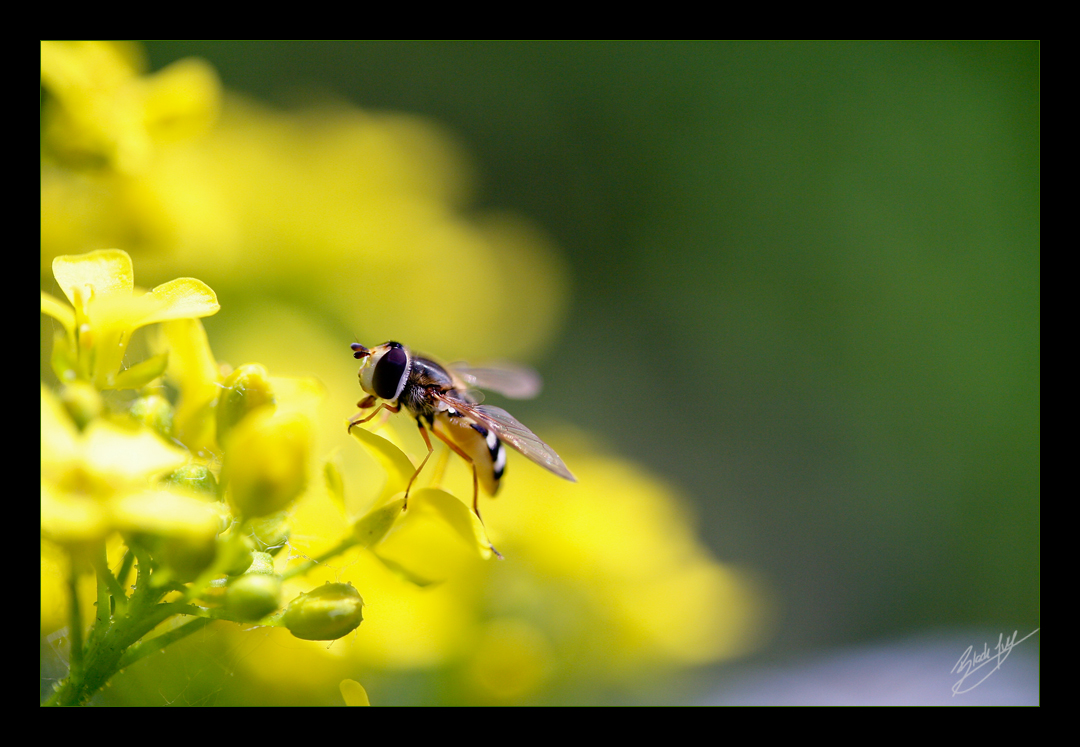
{"x":461,"y":453}
{"x":457,"y":450}
{"x":475,"y":480}
{"x":430,"y":449}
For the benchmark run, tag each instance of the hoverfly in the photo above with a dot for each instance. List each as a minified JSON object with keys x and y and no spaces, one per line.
{"x":440,"y":399}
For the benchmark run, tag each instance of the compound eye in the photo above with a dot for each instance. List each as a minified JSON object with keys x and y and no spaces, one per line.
{"x":389,"y":372}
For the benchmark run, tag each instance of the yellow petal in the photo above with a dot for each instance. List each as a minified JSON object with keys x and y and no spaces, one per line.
{"x":59,"y":437}
{"x":123,"y":456}
{"x":193,"y":370}
{"x":181,"y":100}
{"x":70,"y":519}
{"x":354,"y":693}
{"x":456,"y":515}
{"x":141,"y":373}
{"x":371,"y":528}
{"x":399,"y":470}
{"x":81,"y":67}
{"x":297,"y":394}
{"x":54,"y":307}
{"x":433,"y":539}
{"x":183,"y":298}
{"x":166,"y":513}
{"x":107,"y":271}
{"x":335,"y":484}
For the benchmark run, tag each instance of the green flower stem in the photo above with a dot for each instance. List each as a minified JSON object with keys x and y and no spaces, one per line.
{"x":103,"y":662}
{"x":108,"y":587}
{"x":125,"y":568}
{"x":93,"y":664}
{"x":143,"y":649}
{"x":76,"y":623}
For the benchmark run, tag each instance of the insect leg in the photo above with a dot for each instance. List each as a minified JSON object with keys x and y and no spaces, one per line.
{"x":357,"y":420}
{"x":430,"y":448}
{"x":457,"y":450}
{"x":461,"y":453}
{"x":475,"y":482}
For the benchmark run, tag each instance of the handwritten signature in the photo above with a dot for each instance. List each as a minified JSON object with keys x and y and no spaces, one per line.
{"x":971,"y":662}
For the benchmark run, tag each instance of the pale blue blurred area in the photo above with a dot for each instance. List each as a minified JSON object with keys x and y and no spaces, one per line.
{"x":912,"y":672}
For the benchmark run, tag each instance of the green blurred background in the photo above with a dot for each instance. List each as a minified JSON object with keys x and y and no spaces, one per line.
{"x":805,"y":290}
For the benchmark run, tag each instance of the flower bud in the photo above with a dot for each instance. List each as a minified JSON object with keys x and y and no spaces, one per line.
{"x":324,"y":614}
{"x":266,"y":463}
{"x":270,"y":533}
{"x":186,"y":557}
{"x":155,"y":412}
{"x":254,"y":595}
{"x":244,"y":390}
{"x":262,"y":564}
{"x":234,"y":553}
{"x":194,"y":477}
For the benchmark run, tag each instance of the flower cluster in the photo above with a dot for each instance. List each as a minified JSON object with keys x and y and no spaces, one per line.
{"x":191,"y":499}
{"x":177,"y":490}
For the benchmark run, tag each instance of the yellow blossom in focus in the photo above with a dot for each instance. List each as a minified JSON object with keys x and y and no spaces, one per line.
{"x":107,"y":309}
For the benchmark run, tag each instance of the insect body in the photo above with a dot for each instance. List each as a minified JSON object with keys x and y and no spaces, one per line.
{"x":440,"y":400}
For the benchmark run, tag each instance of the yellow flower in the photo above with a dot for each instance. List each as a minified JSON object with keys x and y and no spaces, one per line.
{"x":605,"y":582}
{"x":354,"y":693}
{"x":418,"y":543}
{"x":194,"y":372}
{"x":102,"y":479}
{"x":101,"y":111}
{"x":623,"y":548}
{"x":266,"y":462}
{"x":107,"y":310}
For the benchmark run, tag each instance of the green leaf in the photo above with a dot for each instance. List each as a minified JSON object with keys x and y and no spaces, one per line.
{"x":141,"y":373}
{"x":399,"y":469}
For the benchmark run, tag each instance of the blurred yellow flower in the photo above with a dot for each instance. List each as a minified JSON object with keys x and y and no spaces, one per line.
{"x":99,"y":480}
{"x":605,"y":585}
{"x":362,"y":213}
{"x":101,"y":111}
{"x":266,"y":463}
{"x":354,"y":693}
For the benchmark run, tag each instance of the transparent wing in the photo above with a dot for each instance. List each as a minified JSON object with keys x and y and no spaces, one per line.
{"x":511,"y":431}
{"x":508,"y":379}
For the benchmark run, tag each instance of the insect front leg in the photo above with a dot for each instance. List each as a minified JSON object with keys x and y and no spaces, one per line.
{"x":366,"y":403}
